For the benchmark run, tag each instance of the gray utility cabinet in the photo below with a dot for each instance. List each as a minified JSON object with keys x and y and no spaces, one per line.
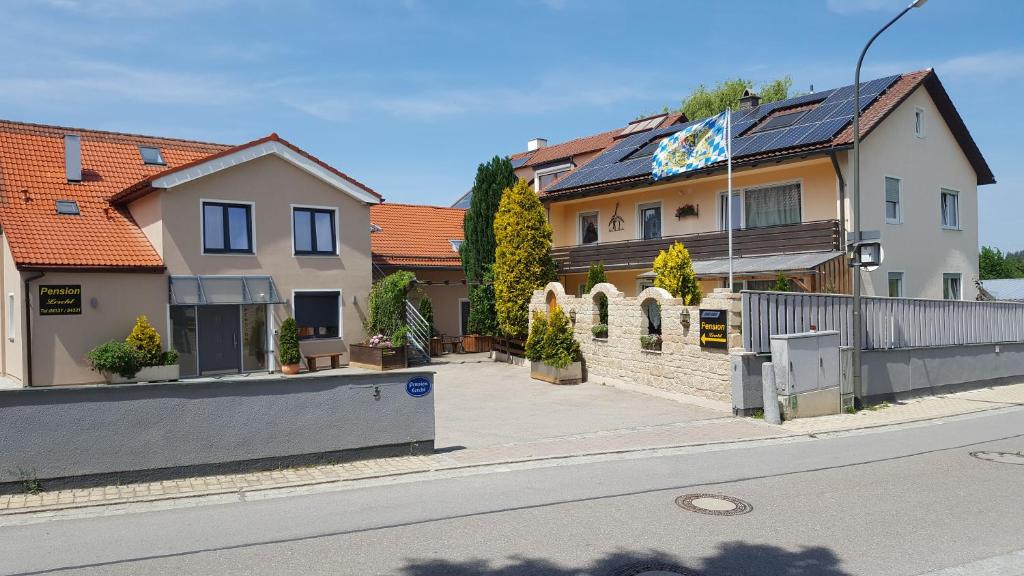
{"x":806,"y":361}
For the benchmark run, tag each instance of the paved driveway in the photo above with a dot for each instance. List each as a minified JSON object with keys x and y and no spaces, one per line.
{"x":489,"y":403}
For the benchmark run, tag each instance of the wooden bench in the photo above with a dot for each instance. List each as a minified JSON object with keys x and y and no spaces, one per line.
{"x":312,"y":358}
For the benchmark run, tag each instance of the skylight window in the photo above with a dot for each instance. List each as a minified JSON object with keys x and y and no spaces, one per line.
{"x":68,"y":207}
{"x":456,"y":245}
{"x":647,"y":149}
{"x":780,"y":121}
{"x":151,"y":155}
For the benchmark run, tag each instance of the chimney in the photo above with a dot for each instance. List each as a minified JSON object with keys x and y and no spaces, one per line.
{"x":749,"y":100}
{"x":536,"y":144}
{"x":73,"y":157}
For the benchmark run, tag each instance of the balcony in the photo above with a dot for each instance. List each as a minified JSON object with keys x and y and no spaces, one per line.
{"x":817,"y":236}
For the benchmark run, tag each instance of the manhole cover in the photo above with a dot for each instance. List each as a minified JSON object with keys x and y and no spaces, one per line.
{"x":1001,"y":457}
{"x":653,"y":570}
{"x":713,"y":504}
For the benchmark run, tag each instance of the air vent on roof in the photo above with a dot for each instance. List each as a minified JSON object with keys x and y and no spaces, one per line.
{"x":151,"y":155}
{"x":73,"y":158}
{"x":68,"y":207}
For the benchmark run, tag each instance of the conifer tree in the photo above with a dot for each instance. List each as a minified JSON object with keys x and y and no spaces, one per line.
{"x":477,"y":250}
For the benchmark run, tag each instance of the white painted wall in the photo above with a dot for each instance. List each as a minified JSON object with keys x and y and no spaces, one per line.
{"x":919,"y":247}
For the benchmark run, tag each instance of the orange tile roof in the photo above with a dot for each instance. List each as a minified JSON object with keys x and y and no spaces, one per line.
{"x":415,"y":236}
{"x":592,"y":143}
{"x":32,"y":178}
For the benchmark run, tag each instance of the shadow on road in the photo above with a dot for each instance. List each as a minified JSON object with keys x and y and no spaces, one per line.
{"x":732,"y":559}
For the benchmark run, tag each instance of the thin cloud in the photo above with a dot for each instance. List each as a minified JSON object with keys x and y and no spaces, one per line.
{"x":998,"y":65}
{"x":853,"y":6}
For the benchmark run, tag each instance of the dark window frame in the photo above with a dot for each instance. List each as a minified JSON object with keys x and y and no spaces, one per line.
{"x":298,"y":294}
{"x":226,"y":228}
{"x":312,"y":231}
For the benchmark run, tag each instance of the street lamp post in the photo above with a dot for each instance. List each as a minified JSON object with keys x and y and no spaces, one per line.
{"x":857,"y":320}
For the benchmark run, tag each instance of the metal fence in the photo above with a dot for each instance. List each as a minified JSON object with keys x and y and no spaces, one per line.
{"x":888,"y":322}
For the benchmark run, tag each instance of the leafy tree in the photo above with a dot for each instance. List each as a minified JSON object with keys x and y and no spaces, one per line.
{"x":781,"y":283}
{"x":288,"y":342}
{"x":146,"y":341}
{"x":596,"y":276}
{"x":426,"y":309}
{"x":993,"y":264}
{"x":522,"y":260}
{"x":477,"y":250}
{"x":481,"y":299}
{"x":386,"y":305}
{"x":704,"y":102}
{"x":673,"y":271}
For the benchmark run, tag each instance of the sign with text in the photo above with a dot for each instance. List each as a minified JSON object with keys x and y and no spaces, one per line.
{"x":712,"y":329}
{"x":57,"y":300}
{"x":417,"y":387}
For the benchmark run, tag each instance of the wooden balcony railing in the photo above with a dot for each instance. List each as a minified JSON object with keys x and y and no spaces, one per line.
{"x":821,"y":235}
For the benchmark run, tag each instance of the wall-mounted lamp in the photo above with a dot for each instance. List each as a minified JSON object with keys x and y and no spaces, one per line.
{"x":572,"y":316}
{"x":684,"y":317}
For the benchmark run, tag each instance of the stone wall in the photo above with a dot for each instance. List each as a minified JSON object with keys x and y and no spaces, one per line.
{"x":681,"y":365}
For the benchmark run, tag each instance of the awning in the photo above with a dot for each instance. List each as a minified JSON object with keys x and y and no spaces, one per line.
{"x":201,"y":290}
{"x":756,"y":265}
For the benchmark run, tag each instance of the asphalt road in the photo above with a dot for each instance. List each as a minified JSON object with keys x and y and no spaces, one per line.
{"x":906,"y":501}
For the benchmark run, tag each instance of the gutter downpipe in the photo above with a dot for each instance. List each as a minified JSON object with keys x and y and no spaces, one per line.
{"x":28,"y":327}
{"x":842,"y":195}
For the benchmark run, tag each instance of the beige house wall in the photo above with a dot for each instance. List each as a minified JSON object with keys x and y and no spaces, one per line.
{"x":681,"y":366}
{"x":110,"y":304}
{"x":919,"y":246}
{"x":273,"y":187}
{"x":444,"y":298}
{"x":13,"y":348}
{"x":146,"y":213}
{"x":819,"y":196}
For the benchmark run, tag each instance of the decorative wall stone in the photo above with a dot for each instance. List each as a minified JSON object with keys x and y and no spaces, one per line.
{"x":681,"y":365}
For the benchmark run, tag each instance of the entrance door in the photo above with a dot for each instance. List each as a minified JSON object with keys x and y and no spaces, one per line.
{"x":219,"y":339}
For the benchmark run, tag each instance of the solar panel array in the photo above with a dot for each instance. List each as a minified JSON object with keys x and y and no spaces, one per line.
{"x":820,"y":124}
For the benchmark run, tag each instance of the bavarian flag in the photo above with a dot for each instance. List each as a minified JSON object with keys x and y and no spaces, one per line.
{"x":693,"y":147}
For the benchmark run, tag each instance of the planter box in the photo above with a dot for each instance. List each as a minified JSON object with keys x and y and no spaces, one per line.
{"x":377,"y":358}
{"x":571,"y":374}
{"x":147,"y":374}
{"x":436,"y":347}
{"x":477,"y":343}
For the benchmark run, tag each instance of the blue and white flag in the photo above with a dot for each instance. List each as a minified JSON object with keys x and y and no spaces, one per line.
{"x":693,"y":147}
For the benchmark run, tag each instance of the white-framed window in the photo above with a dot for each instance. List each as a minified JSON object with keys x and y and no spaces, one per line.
{"x":893,"y":200}
{"x":314,"y":231}
{"x":762,"y":206}
{"x":895,"y":284}
{"x":10,"y":316}
{"x":227,"y":227}
{"x":949,"y":204}
{"x":545,"y":176}
{"x":317,"y":313}
{"x":919,"y":122}
{"x":951,"y":286}
{"x":588,"y":228}
{"x":649,"y":221}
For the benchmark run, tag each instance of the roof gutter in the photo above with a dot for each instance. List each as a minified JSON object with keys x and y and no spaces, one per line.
{"x":28,"y":326}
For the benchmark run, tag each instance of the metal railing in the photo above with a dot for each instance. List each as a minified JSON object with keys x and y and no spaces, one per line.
{"x":419,"y":333}
{"x":888,"y":322}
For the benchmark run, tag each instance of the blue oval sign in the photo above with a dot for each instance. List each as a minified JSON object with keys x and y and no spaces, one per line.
{"x":418,"y":386}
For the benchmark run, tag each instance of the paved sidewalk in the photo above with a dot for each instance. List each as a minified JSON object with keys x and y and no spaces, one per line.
{"x":708,"y":431}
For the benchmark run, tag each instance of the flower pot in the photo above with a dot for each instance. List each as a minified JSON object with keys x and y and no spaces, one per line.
{"x":477,"y":343}
{"x":147,"y":374}
{"x":377,"y":357}
{"x":290,"y":369}
{"x":436,"y":346}
{"x":571,"y":374}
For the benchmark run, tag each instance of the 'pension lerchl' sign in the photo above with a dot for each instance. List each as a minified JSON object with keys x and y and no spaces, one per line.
{"x":712,"y":329}
{"x":56,"y":300}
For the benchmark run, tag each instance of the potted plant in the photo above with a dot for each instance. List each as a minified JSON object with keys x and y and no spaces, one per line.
{"x":686,"y":210}
{"x":553,"y":351}
{"x":380,"y":352}
{"x":599,"y":331}
{"x":139,"y":358}
{"x":651,"y":342}
{"x":288,"y":352}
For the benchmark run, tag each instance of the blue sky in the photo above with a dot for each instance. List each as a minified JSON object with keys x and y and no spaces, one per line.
{"x":410,"y":95}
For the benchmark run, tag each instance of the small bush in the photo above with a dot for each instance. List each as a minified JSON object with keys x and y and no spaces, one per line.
{"x":170,"y":358}
{"x":288,"y":342}
{"x":651,"y":341}
{"x":534,"y":343}
{"x":115,"y":357}
{"x":599,"y":330}
{"x":146,"y":341}
{"x":560,"y":347}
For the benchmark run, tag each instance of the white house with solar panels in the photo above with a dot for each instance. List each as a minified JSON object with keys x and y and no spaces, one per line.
{"x":920,"y":172}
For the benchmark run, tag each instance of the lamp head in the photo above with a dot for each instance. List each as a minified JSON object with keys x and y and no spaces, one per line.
{"x":918,"y":3}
